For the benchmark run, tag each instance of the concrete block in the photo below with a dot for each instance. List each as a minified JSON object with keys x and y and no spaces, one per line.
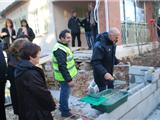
{"x":144,"y":108}
{"x":138,"y":105}
{"x":159,"y":83}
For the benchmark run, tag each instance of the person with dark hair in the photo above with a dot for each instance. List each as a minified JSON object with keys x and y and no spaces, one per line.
{"x":8,"y":34}
{"x":13,"y":59}
{"x":3,"y":69}
{"x":74,"y":25}
{"x":158,"y":30}
{"x":86,"y":24}
{"x":25,"y":31}
{"x":64,"y":69}
{"x":34,"y":99}
{"x":104,"y":59}
{"x":93,"y":24}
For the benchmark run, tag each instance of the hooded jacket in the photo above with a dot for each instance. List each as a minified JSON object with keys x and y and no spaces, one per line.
{"x":103,"y":57}
{"x":34,"y":100}
{"x":3,"y":66}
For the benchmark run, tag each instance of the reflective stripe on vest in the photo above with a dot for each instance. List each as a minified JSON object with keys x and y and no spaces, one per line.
{"x":70,"y":63}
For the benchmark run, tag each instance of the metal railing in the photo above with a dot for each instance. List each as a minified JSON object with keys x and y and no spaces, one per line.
{"x":134,"y":33}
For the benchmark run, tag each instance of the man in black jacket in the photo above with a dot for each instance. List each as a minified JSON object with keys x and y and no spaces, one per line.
{"x":103,"y":58}
{"x":158,"y":30}
{"x":74,"y":26}
{"x":86,"y":24}
{"x":3,"y":69}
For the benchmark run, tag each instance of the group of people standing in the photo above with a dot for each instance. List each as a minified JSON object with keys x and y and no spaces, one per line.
{"x":103,"y":61}
{"x":8,"y":33}
{"x":88,"y":23}
{"x":30,"y":97}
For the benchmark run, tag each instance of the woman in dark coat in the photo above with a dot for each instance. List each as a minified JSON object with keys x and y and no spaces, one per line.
{"x":8,"y":33}
{"x":25,"y":31}
{"x":34,"y":99}
{"x":3,"y":69}
{"x":13,"y":59}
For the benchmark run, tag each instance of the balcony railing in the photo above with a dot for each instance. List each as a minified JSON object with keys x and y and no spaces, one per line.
{"x":134,"y":33}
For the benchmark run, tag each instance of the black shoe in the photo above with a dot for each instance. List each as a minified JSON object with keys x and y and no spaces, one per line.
{"x":66,"y":115}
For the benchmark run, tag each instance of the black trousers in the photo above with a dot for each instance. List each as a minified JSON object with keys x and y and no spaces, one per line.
{"x":13,"y":90}
{"x":2,"y":100}
{"x":102,"y":85}
{"x":74,"y":35}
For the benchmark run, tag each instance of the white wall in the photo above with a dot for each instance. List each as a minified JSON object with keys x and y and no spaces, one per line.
{"x":44,"y":20}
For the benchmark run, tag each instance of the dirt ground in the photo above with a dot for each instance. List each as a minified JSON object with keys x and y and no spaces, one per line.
{"x":85,"y":75}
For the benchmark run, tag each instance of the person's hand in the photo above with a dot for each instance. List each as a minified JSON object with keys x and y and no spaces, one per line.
{"x":108,"y":76}
{"x":14,"y":37}
{"x":3,"y":34}
{"x":71,"y":83}
{"x":120,"y":63}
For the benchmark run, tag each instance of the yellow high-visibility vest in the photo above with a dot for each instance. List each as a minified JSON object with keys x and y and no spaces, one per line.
{"x":70,"y":63}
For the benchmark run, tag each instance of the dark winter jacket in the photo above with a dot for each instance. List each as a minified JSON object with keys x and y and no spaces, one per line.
{"x":61,"y":59}
{"x":3,"y":67}
{"x":34,"y":100}
{"x":74,"y":24}
{"x":13,"y":59}
{"x":7,"y":37}
{"x":158,"y":23}
{"x":103,"y":58}
{"x":30,"y":32}
{"x":86,"y":24}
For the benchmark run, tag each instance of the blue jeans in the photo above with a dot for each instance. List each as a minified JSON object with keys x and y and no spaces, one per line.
{"x":89,"y":39}
{"x":64,"y":97}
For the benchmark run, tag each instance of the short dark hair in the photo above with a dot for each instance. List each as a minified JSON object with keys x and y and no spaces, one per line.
{"x":17,"y":45}
{"x":9,"y":20}
{"x":63,"y":33}
{"x":29,"y":50}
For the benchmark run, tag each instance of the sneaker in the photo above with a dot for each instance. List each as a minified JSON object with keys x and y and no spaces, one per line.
{"x":72,"y":117}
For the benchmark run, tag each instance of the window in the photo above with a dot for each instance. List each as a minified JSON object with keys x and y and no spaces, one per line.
{"x":132,"y":11}
{"x":36,"y":22}
{"x":40,"y":21}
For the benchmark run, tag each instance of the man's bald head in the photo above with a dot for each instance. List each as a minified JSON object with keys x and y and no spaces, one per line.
{"x":114,"y":31}
{"x":114,"y":34}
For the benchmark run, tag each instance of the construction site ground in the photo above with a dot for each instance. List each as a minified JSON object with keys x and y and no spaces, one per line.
{"x":85,"y":76}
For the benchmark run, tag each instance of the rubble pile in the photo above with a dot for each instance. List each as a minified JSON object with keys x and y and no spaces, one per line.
{"x":150,"y":58}
{"x":121,"y":73}
{"x":85,"y":75}
{"x":48,"y":70}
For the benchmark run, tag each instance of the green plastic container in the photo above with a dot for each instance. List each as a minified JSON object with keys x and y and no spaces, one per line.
{"x":115,"y":98}
{"x":93,"y":99}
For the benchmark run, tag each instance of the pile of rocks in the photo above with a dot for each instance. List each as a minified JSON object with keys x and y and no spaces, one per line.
{"x":81,"y":83}
{"x":150,"y":58}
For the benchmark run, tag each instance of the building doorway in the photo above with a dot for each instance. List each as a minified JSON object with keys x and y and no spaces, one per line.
{"x":62,"y":13}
